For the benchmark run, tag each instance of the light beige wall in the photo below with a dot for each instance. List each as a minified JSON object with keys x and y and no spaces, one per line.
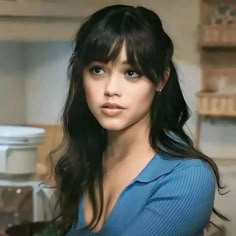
{"x":12,"y":93}
{"x":46,"y":81}
{"x":180,"y":19}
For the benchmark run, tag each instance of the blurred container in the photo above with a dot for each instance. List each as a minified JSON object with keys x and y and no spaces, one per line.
{"x":18,"y":149}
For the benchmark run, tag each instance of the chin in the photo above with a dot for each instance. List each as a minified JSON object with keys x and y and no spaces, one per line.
{"x":112,"y":126}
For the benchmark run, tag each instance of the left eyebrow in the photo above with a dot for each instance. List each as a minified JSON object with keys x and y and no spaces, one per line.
{"x":124,"y":62}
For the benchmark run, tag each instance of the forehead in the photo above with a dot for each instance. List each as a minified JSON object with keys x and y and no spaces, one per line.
{"x":120,"y":52}
{"x":122,"y":56}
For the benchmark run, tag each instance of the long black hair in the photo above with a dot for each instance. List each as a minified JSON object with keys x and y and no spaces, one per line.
{"x":149,"y":50}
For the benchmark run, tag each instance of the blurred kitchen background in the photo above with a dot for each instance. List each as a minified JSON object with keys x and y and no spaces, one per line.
{"x":35,"y":47}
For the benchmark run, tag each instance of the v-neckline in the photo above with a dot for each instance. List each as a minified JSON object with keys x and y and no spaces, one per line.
{"x":110,"y":216}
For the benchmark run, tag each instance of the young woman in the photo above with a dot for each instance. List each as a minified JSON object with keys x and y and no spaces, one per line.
{"x":127,"y":167}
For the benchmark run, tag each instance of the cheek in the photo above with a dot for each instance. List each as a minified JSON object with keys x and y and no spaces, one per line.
{"x":144,"y":96}
{"x":144,"y":104}
{"x":91,"y":99}
{"x":90,"y":91}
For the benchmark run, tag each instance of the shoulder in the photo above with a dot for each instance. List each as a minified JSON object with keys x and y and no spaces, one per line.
{"x":189,"y":185}
{"x":187,"y":162}
{"x":193,"y":167}
{"x":182,"y":195}
{"x":195,"y":171}
{"x":191,"y":170}
{"x":162,"y":167}
{"x":191,"y":178}
{"x":181,"y":198}
{"x":181,"y":174}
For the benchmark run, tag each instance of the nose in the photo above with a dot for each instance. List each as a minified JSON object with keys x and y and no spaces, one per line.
{"x":112,"y":87}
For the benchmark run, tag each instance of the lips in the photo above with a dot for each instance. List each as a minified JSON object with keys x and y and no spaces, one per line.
{"x":112,"y":109}
{"x":112,"y":106}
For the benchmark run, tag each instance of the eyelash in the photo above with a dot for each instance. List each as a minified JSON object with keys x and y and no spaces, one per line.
{"x":93,"y":68}
{"x":138,"y":75}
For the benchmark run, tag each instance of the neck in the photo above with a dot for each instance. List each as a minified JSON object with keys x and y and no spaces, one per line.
{"x":130,"y":142}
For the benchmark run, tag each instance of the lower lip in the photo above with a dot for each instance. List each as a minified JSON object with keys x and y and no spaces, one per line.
{"x":112,"y":111}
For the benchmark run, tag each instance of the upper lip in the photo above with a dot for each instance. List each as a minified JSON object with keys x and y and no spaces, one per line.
{"x":112,"y":105}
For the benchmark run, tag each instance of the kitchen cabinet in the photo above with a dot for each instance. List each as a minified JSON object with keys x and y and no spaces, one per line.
{"x":217,"y":41}
{"x":41,"y":20}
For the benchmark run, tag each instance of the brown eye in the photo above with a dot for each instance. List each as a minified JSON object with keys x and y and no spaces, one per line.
{"x":97,"y":70}
{"x":132,"y":74}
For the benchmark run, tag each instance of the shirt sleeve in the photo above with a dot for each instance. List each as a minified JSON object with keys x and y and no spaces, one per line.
{"x":181,"y":205}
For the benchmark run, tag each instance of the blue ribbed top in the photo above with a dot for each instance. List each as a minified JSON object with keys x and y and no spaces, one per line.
{"x":170,"y":197}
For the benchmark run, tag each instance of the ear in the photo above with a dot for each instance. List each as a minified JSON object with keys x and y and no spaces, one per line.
{"x":160,"y":86}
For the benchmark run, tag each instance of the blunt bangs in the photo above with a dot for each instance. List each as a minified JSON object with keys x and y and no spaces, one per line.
{"x":127,"y":28}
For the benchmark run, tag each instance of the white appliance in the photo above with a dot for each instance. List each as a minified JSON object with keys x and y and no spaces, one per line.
{"x":18,"y":152}
{"x":18,"y":149}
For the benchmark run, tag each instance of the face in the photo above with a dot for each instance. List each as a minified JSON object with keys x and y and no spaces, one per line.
{"x":117,"y":95}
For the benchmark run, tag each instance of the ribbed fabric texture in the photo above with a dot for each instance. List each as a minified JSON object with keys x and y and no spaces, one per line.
{"x":175,"y":202}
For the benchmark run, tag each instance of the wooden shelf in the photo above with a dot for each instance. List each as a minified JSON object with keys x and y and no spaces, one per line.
{"x":37,"y":29}
{"x":219,"y":1}
{"x":216,"y":104}
{"x":41,"y":20}
{"x":217,"y":35}
{"x":44,"y":8}
{"x":219,"y":77}
{"x":219,"y":70}
{"x":217,"y":41}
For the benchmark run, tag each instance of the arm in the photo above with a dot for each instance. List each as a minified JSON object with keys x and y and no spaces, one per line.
{"x":180,"y":206}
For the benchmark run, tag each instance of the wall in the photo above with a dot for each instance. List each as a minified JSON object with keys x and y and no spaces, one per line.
{"x":45,"y":81}
{"x":12,"y":90}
